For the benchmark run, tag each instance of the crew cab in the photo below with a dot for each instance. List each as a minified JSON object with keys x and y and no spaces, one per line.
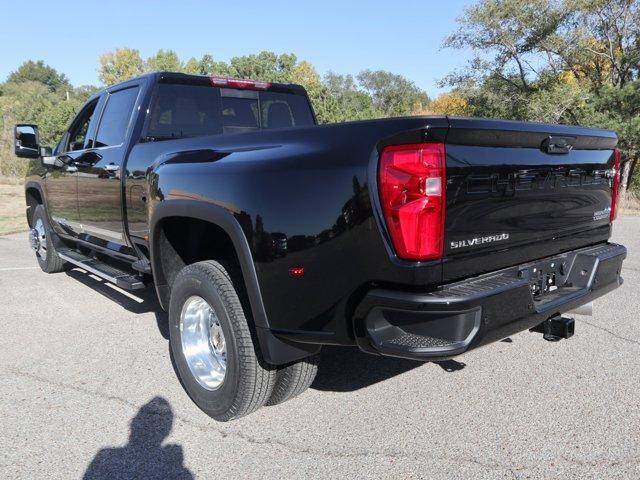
{"x":267,"y":236}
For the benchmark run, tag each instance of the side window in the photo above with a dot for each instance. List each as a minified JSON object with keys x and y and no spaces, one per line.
{"x":78,"y":139}
{"x":116,"y":116}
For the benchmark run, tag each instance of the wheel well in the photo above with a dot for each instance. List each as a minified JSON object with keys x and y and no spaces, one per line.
{"x":33,"y":199}
{"x":178,"y":241}
{"x":182,"y":241}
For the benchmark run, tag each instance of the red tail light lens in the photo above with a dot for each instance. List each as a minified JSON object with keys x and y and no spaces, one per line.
{"x":412,"y":181}
{"x":239,"y":83}
{"x":615,"y":185}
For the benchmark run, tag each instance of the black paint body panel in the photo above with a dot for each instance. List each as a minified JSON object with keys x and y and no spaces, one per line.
{"x":302,"y":198}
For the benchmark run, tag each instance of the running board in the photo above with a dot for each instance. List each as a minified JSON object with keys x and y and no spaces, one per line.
{"x":114,"y":275}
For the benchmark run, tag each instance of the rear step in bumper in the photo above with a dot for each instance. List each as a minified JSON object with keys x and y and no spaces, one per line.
{"x":474,"y":312}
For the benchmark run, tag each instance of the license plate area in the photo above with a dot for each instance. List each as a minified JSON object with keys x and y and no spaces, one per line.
{"x":546,"y":276}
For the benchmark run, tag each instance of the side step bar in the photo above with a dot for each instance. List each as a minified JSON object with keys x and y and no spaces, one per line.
{"x":114,"y":275}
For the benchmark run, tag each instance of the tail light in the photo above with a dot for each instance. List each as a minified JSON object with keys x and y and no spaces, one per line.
{"x":412,"y":181}
{"x":615,"y":185}
{"x":239,"y":83}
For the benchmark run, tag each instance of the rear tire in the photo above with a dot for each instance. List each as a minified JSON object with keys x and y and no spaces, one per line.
{"x":293,"y":379}
{"x":42,"y":241}
{"x":234,"y":380}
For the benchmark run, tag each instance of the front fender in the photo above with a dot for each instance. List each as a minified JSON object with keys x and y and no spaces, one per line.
{"x":39,"y":187}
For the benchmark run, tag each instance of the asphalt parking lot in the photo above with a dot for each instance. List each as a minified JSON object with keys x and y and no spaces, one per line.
{"x":87,"y":389}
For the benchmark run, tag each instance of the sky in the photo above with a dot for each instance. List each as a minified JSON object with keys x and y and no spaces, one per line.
{"x":343,"y":36}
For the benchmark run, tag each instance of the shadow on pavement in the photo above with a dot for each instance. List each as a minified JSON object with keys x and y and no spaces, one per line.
{"x":138,"y":301}
{"x":363,"y":369}
{"x":144,"y":456}
{"x":451,"y":365}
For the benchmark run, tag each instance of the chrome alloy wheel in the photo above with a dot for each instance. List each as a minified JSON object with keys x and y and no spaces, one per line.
{"x":203,"y":343}
{"x":38,"y":239}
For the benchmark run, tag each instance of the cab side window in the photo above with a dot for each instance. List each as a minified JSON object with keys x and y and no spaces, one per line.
{"x":115,"y":119}
{"x":78,"y":139}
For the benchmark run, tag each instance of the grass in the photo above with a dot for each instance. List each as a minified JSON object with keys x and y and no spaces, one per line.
{"x":12,"y":206}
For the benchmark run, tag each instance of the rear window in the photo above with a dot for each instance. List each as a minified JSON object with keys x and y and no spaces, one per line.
{"x":179,"y":111}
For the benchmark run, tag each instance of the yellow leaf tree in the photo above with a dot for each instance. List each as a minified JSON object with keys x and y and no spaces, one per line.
{"x":119,"y":65}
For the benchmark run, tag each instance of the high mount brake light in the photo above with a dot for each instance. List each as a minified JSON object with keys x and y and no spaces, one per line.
{"x":412,"y":187}
{"x":615,"y":185}
{"x":239,"y":83}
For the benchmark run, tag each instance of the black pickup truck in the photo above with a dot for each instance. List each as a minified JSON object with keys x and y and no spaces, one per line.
{"x":267,"y":236}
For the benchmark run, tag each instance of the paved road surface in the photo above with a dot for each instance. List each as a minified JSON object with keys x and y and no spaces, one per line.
{"x":87,"y":388}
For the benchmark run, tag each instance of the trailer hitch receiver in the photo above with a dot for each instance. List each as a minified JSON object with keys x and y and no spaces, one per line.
{"x":556,"y":328}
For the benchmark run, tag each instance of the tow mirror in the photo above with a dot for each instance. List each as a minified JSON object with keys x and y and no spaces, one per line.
{"x":26,"y":141}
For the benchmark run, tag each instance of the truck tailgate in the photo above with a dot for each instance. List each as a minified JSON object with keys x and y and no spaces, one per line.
{"x":516,"y":189}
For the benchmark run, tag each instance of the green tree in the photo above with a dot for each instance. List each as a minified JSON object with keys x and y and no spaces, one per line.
{"x":32,"y":102}
{"x":164,"y":60}
{"x":351,"y":103}
{"x":619,"y":110}
{"x":263,"y":66}
{"x":393,"y":95}
{"x":206,"y":66}
{"x":36,"y":93}
{"x":552,"y":60}
{"x":193,"y":67}
{"x":119,"y":65}
{"x":600,"y":41}
{"x":42,"y":73}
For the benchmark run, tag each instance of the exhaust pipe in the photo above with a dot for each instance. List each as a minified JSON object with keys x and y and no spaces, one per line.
{"x":556,"y":328}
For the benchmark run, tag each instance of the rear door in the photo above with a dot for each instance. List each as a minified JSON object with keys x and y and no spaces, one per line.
{"x":518,"y":191}
{"x":99,"y":176}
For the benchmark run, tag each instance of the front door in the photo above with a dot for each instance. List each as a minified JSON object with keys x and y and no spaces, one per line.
{"x":61,"y":182}
{"x":100,"y":178}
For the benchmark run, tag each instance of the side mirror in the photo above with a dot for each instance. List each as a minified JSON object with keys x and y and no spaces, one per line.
{"x":26,"y":141}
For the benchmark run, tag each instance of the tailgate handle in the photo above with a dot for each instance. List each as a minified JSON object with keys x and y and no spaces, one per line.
{"x":557,"y":145}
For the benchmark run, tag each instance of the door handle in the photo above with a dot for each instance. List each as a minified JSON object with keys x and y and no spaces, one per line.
{"x":87,"y":159}
{"x":112,"y":167}
{"x":90,"y":157}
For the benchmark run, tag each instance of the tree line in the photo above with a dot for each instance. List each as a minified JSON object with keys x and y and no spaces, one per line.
{"x":555,"y":61}
{"x":37,"y":93}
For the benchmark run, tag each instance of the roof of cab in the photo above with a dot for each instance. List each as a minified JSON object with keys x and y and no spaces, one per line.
{"x":178,"y":77}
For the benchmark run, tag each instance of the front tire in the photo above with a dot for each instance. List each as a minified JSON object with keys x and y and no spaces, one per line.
{"x":217,"y":359}
{"x":41,"y":238}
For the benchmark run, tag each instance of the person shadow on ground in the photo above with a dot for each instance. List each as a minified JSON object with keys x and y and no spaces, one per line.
{"x":144,"y":457}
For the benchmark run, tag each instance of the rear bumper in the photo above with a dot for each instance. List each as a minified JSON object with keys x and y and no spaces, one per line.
{"x":464,"y":315}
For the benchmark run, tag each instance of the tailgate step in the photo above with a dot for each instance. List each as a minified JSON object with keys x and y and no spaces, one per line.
{"x":120,"y":278}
